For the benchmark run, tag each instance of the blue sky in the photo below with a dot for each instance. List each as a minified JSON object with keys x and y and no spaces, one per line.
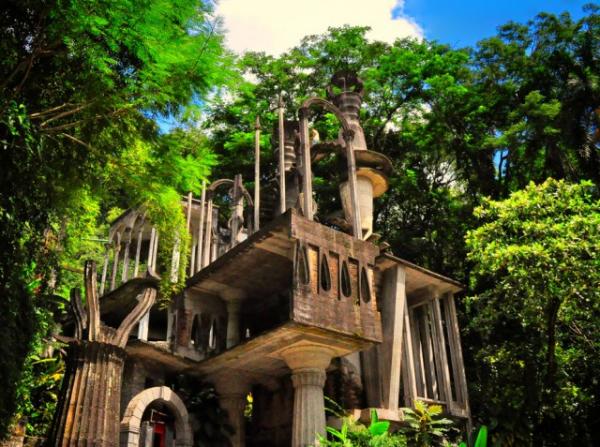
{"x":274,"y":26}
{"x":463,"y":23}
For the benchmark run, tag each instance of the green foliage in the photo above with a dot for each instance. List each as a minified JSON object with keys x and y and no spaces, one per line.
{"x":39,"y":387}
{"x":425,"y":426}
{"x":80,"y":82}
{"x":355,"y":434}
{"x":482,"y":434}
{"x":542,"y":91}
{"x":155,"y":175}
{"x":536,"y":257}
{"x":481,"y":440}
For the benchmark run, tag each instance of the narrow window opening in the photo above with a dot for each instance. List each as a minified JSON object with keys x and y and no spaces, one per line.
{"x":346,"y":284}
{"x":365,"y":287}
{"x":302,"y":266}
{"x":195,"y":336}
{"x":324,"y":274}
{"x":212,"y":335}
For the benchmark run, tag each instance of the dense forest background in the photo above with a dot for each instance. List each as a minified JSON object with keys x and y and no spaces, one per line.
{"x":474,"y":135}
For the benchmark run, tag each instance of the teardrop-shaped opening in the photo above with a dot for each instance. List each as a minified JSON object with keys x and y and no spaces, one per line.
{"x":302,"y":266}
{"x":195,"y":336}
{"x":345,"y":280}
{"x":365,"y":287}
{"x":325,"y":277}
{"x":212,"y":335}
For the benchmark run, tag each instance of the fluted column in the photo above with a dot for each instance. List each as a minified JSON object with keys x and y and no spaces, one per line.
{"x":88,"y":411}
{"x":91,"y":389}
{"x":308,"y":364}
{"x":233,"y":392}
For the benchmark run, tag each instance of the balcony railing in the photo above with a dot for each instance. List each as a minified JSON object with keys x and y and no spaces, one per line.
{"x":133,"y":245}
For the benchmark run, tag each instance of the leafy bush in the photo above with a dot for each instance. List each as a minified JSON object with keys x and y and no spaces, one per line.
{"x":425,"y":425}
{"x":355,"y":434}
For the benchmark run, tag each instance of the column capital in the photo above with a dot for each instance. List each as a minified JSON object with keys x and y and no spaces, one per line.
{"x":308,"y":357}
{"x":309,"y":378}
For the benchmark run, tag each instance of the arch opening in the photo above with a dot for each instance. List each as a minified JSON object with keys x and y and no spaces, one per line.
{"x":160,"y":413}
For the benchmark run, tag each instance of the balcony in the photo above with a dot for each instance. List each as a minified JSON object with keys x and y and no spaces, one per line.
{"x":294,"y":280}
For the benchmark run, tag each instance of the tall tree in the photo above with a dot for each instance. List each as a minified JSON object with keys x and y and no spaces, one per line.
{"x":542,"y":88}
{"x":536,"y":268}
{"x":79,"y":83}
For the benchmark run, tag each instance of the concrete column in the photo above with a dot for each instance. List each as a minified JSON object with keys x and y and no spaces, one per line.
{"x":233,"y":391}
{"x":89,"y":404}
{"x":143,"y":327}
{"x":233,"y":298}
{"x":233,"y":322}
{"x":308,"y":364}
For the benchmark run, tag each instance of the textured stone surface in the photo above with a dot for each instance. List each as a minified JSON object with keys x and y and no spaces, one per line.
{"x":91,"y":389}
{"x":308,"y":364}
{"x":89,"y":402}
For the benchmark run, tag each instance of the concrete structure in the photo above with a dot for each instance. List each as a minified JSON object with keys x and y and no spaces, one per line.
{"x":287,"y":309}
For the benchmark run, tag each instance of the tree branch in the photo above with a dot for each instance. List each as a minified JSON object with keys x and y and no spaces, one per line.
{"x":47,"y":111}
{"x":67,"y":113}
{"x":75,"y":140}
{"x":92,"y":118}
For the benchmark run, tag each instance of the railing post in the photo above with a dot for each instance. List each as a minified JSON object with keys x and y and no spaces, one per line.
{"x":199,"y":252}
{"x":352,"y":183}
{"x":281,"y":157}
{"x":207,"y":234}
{"x":138,"y":250}
{"x":306,"y":167}
{"x":257,"y":174}
{"x":105,"y":268}
{"x":125,"y":270}
{"x":116,"y":251}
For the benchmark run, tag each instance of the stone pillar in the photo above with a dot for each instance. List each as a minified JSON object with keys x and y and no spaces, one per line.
{"x":233,"y":298}
{"x":89,"y":402}
{"x":233,"y":323}
{"x":308,"y":364}
{"x":91,"y":391}
{"x":233,"y":392}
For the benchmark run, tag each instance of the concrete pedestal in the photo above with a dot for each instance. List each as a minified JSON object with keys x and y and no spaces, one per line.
{"x":308,"y":364}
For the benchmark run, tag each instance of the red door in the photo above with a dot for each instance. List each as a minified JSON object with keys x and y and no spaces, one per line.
{"x":159,"y":434}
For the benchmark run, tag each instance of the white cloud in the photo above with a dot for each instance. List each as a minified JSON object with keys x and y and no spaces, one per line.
{"x":275,"y":26}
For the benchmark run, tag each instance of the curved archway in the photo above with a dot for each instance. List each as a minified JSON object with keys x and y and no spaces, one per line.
{"x":132,"y":419}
